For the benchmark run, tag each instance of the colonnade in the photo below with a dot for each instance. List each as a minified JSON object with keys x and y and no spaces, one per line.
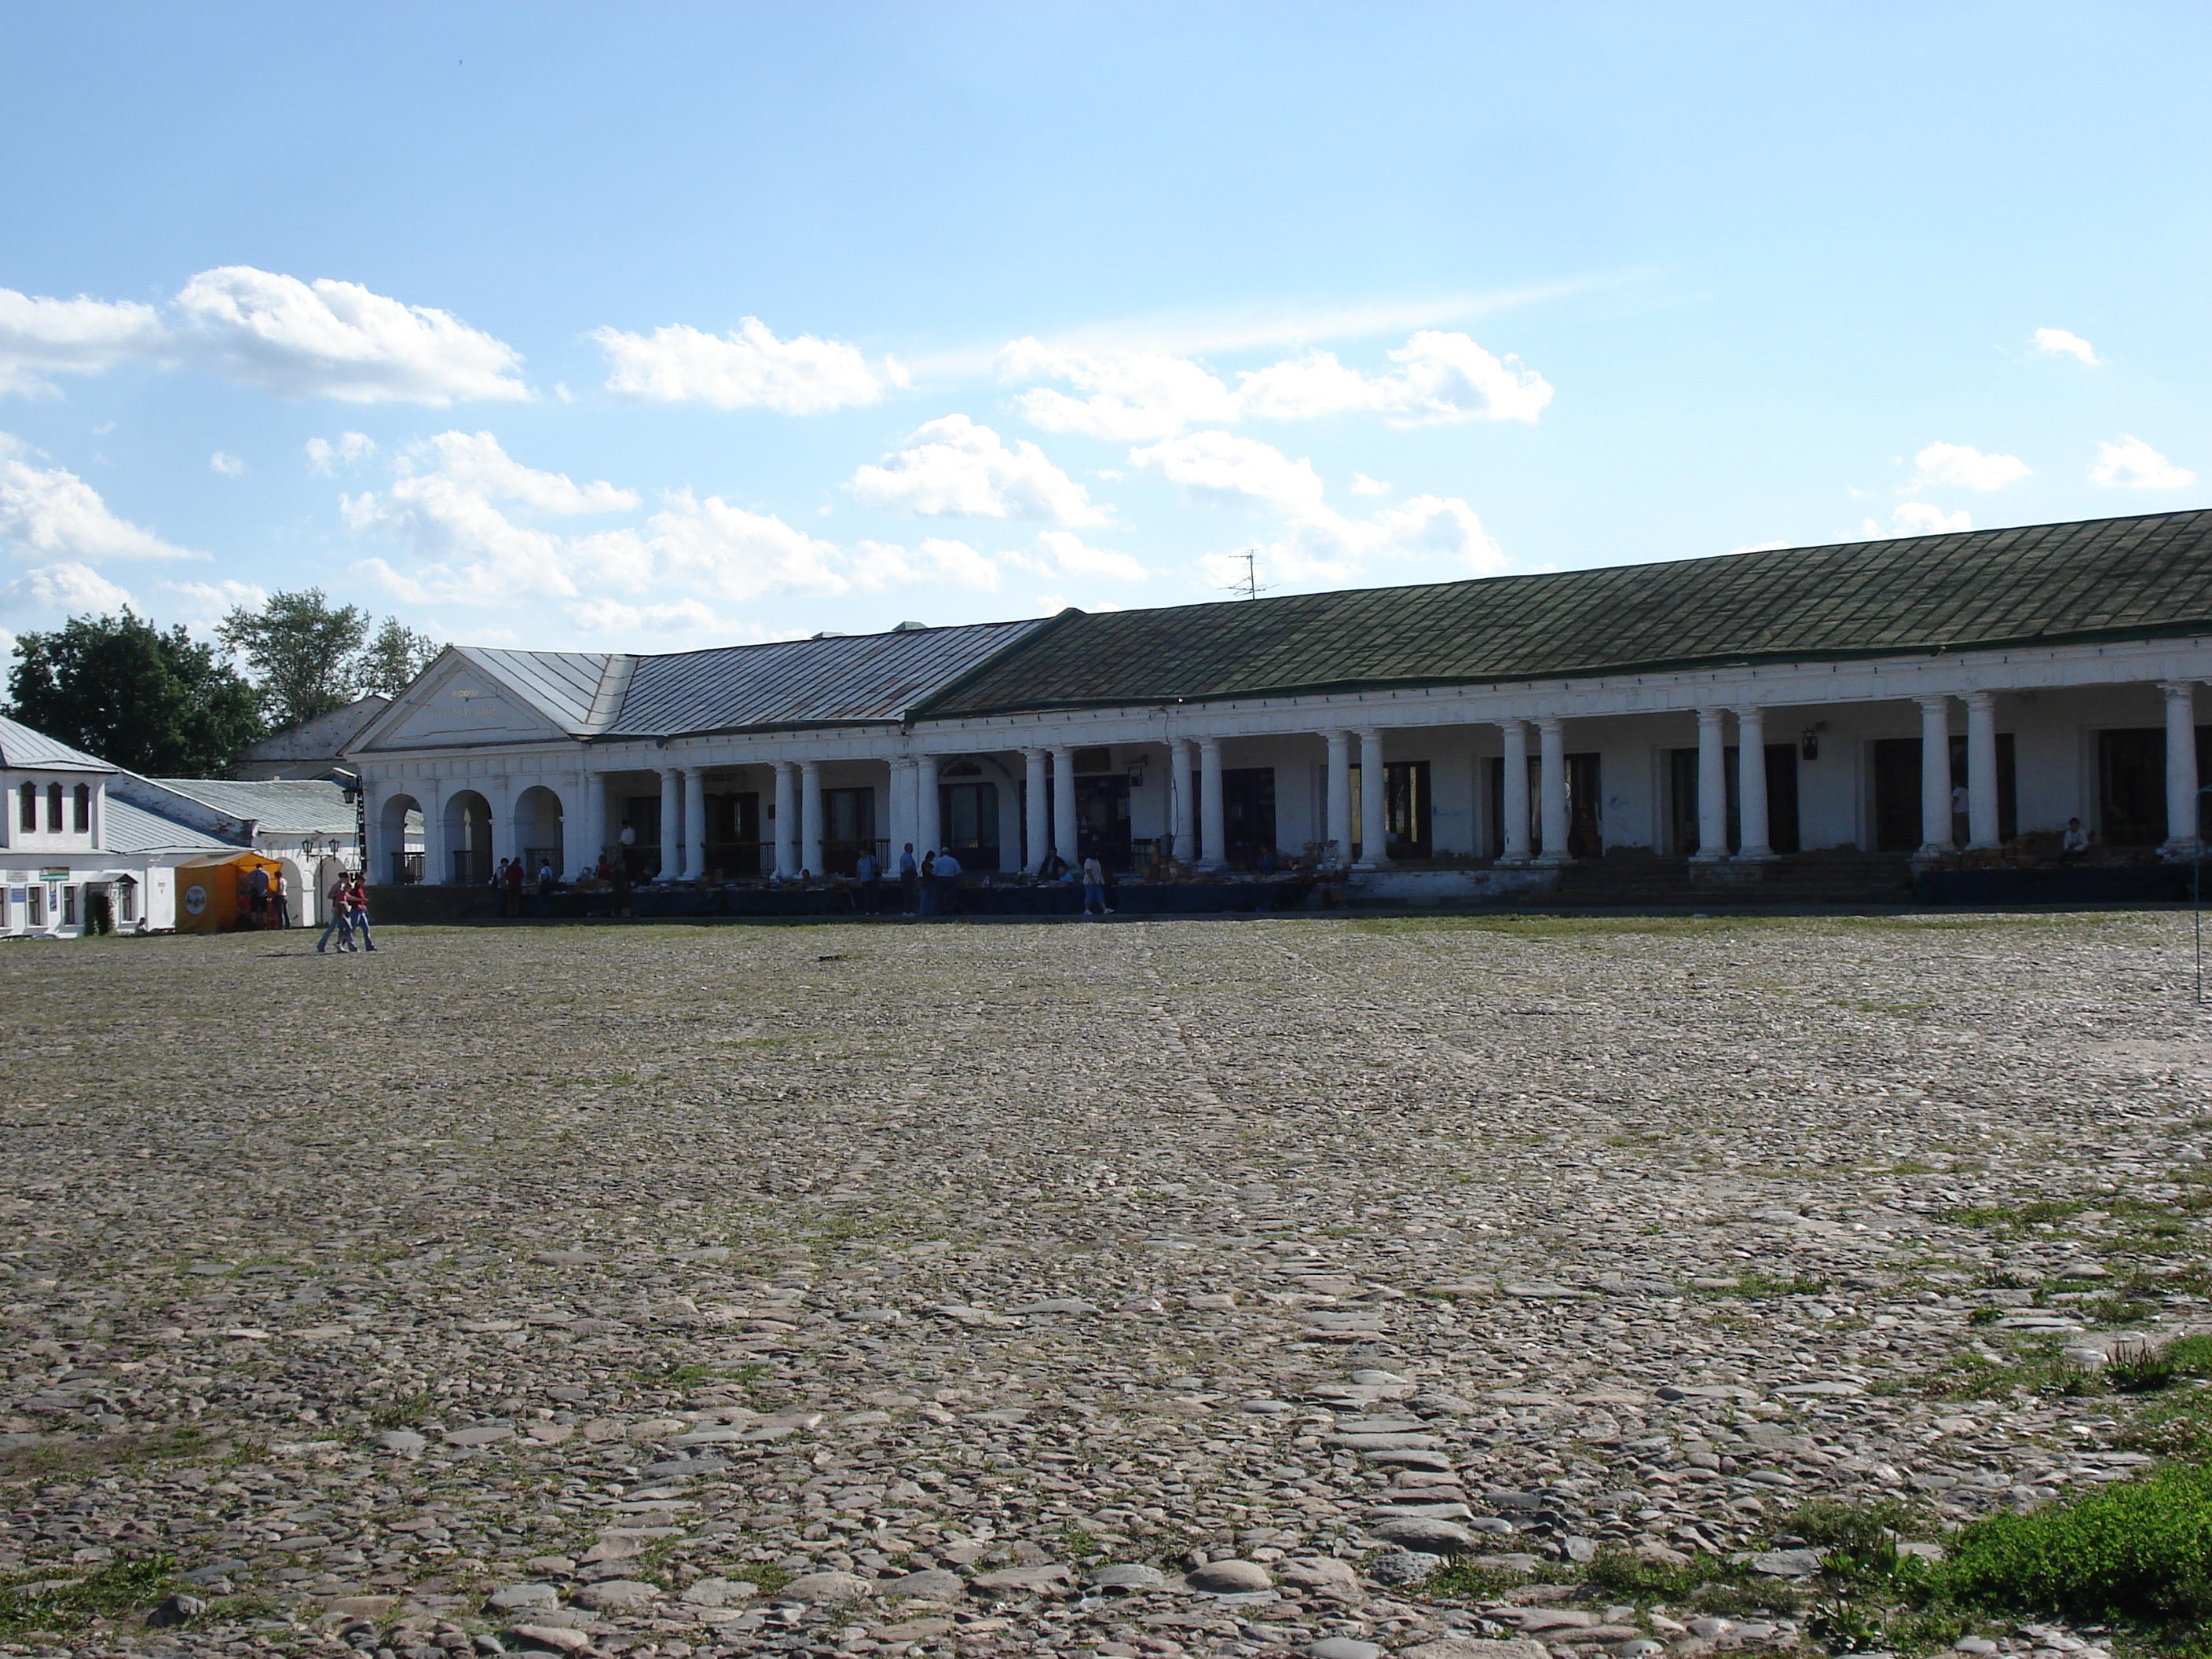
{"x":1196,"y":817}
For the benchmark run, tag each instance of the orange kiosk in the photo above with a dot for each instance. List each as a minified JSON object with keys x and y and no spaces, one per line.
{"x":211,"y":891}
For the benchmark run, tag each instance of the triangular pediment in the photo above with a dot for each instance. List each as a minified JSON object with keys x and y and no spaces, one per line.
{"x":456,"y":704}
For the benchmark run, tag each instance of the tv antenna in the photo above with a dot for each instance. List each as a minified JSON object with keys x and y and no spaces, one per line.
{"x":1249,"y":586}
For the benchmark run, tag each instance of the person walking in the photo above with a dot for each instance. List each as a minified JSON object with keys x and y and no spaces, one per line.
{"x":925,"y":885}
{"x":357,"y":898}
{"x":871,"y":873}
{"x":341,"y":917}
{"x":948,"y":884}
{"x":1094,"y":886}
{"x":909,"y":875}
{"x":499,"y":889}
{"x":280,"y":902}
{"x":513,"y":889}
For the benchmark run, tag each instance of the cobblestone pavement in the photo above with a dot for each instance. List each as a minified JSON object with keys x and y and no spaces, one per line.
{"x":1141,"y":1288}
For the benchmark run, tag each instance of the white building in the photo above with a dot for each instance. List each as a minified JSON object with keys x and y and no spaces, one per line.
{"x":1516,"y":723}
{"x":308,"y":826}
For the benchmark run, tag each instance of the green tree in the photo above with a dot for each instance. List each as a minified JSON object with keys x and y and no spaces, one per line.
{"x":119,"y":688}
{"x":394,"y":655}
{"x":302,"y":653}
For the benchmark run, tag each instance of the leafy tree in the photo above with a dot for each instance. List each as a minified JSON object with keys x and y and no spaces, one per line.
{"x":302,"y":653}
{"x":392,"y":657}
{"x":119,"y":688}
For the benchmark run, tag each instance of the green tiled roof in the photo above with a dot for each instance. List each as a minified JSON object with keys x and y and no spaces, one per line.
{"x":2102,"y":579}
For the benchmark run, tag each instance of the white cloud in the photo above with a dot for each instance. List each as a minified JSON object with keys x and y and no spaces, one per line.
{"x":1132,"y":394}
{"x":735,"y":553}
{"x":1233,"y":471}
{"x":1064,"y":553}
{"x":1968,"y":468}
{"x":1363,"y":485}
{"x":747,"y":368}
{"x":2057,"y":342}
{"x":602,"y":615}
{"x":2129,"y":463}
{"x":937,"y":563}
{"x":75,"y":589}
{"x":350,"y":450}
{"x":216,"y":597}
{"x":50,"y":513}
{"x":229,"y":465}
{"x":41,"y":336}
{"x":1318,"y":543}
{"x":1442,"y":378}
{"x":1920,"y":518}
{"x":953,"y":466}
{"x":334,"y":339}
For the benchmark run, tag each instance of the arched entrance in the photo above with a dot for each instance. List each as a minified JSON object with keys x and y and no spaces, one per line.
{"x":468,"y":833}
{"x":401,"y":865}
{"x":538,"y":830}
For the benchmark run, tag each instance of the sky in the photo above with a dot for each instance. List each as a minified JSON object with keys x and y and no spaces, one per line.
{"x":657,"y":328}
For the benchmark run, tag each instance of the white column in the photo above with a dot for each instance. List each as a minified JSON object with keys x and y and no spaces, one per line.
{"x":1750,"y":775}
{"x":1552,"y":785}
{"x":1340,"y":793}
{"x":695,"y":823}
{"x":902,"y":813}
{"x":786,"y":820}
{"x":1981,"y":832}
{"x":1034,"y":822}
{"x":810,"y":816}
{"x":437,"y":863}
{"x":1935,"y":777}
{"x":1212,"y":822}
{"x":1374,"y":817}
{"x":592,"y":787}
{"x":1712,"y":786}
{"x":2180,"y":768}
{"x":1063,"y":801}
{"x":927,"y":806}
{"x":1513,"y":797}
{"x":671,"y":823}
{"x":1185,"y":808}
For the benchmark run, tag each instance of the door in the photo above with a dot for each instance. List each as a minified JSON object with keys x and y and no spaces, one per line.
{"x":848,"y":829}
{"x":1247,"y":812}
{"x":1406,"y":809}
{"x":969,"y":813}
{"x":733,"y":833}
{"x":1896,"y":794}
{"x":1102,"y":820}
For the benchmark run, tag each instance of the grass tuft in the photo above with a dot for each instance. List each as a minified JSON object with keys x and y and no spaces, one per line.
{"x":112,"y":1592}
{"x":2138,"y":1551}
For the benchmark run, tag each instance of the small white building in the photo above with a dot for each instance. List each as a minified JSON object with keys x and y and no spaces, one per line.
{"x":66,"y":847}
{"x":312,"y":826}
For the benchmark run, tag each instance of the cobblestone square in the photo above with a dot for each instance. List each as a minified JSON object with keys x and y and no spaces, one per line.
{"x":670,"y":1290}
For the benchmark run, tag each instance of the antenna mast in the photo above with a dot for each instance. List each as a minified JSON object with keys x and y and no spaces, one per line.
{"x":1250,"y":587}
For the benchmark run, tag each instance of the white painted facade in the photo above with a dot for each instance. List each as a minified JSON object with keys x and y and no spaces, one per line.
{"x":495,"y":777}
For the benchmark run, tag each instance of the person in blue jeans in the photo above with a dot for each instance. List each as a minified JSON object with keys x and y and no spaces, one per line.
{"x":357,"y":896}
{"x":341,"y":922}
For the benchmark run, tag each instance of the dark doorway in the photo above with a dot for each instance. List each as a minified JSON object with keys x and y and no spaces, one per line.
{"x":848,"y":829}
{"x":1248,"y":813}
{"x":2008,"y":793}
{"x":642,"y":814}
{"x":1781,"y":831}
{"x":1896,"y":794}
{"x":1585,"y":819}
{"x":1102,"y":820}
{"x":969,"y":821}
{"x":2131,"y":787}
{"x":733,"y":834}
{"x":1781,"y":799}
{"x":1406,"y":810}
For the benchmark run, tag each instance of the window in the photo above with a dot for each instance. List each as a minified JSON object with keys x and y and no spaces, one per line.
{"x":38,"y":901}
{"x":29,"y":815}
{"x":1406,"y":811}
{"x":53,"y":809}
{"x":82,"y":817}
{"x":69,"y":903}
{"x":126,"y":900}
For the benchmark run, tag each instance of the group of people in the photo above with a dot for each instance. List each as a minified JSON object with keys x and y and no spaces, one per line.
{"x":268,"y":901}
{"x":349,"y":897}
{"x":513,"y":876}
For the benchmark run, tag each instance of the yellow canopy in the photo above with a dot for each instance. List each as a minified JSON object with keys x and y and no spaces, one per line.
{"x":211,"y":891}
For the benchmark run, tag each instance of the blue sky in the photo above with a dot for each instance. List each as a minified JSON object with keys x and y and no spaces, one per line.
{"x":670,"y":327}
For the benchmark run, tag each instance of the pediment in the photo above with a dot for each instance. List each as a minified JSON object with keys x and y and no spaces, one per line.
{"x":456,"y":706}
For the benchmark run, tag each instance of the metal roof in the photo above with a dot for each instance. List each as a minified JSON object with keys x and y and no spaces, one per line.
{"x":798,"y":682}
{"x":24,"y":750}
{"x":560,"y":684}
{"x":300,"y":806}
{"x":2040,"y":584}
{"x":128,"y":827}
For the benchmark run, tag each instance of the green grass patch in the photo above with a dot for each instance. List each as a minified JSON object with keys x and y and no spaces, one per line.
{"x":405,"y":1412}
{"x":1463,"y":1581}
{"x":117,"y":1591}
{"x":2138,"y":1552}
{"x":44,"y":1460}
{"x":673,"y":1375}
{"x":1759,"y":1287}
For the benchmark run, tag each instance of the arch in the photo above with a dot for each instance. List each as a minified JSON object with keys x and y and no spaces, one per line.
{"x":401,"y":865}
{"x":468,"y":839}
{"x":538,"y":820}
{"x":298,"y":890}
